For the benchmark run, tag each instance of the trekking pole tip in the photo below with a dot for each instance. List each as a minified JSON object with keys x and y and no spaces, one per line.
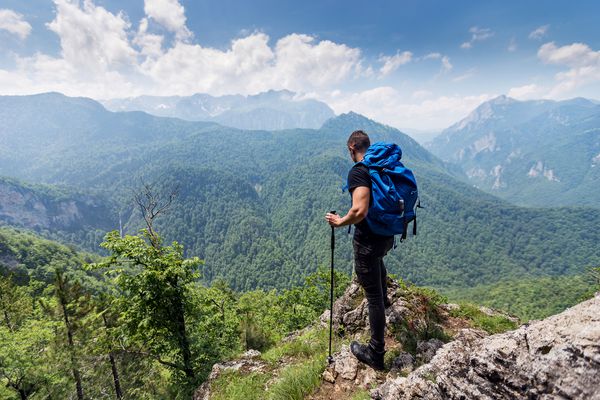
{"x":329,"y":359}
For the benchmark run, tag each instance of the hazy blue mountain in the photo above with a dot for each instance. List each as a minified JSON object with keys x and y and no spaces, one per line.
{"x":251,"y":203}
{"x":40,"y":132}
{"x":541,"y":153}
{"x":272,"y":110}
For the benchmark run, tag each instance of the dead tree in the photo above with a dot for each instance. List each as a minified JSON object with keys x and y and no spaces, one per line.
{"x":152,"y":203}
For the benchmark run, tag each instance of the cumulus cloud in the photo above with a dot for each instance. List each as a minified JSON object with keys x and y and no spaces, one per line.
{"x":103,"y":55}
{"x":539,"y":32}
{"x":527,"y":92}
{"x":170,"y":14}
{"x":583,"y":63}
{"x":14,"y":23}
{"x":149,"y":44}
{"x":391,"y":63}
{"x":91,"y":38}
{"x":477,"y":35}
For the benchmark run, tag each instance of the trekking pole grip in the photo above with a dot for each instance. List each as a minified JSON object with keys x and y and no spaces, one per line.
{"x":332,"y":233}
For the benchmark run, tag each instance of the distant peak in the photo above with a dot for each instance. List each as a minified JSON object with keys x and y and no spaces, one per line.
{"x":502,"y":99}
{"x":351,"y":115}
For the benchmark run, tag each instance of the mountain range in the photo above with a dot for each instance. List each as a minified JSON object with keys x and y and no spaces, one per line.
{"x":536,"y":153}
{"x":272,"y":110}
{"x":251,"y":202}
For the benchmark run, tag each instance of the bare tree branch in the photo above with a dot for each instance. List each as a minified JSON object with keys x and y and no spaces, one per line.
{"x":152,"y":203}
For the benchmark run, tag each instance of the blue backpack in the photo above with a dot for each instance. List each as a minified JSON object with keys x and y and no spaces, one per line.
{"x":394,"y":191}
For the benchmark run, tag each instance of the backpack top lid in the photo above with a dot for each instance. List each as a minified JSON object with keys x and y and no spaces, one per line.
{"x":382,"y":155}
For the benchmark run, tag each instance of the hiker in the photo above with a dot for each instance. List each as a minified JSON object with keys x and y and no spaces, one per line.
{"x":369,"y":250}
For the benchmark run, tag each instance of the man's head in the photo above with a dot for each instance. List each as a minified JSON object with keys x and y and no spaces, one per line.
{"x":358,"y":143}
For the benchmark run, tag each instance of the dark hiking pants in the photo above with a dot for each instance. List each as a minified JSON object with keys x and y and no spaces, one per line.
{"x":372,"y":275}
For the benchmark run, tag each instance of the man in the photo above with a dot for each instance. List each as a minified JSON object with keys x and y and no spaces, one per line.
{"x":369,"y":250}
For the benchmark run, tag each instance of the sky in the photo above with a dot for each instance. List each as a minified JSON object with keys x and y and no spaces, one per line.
{"x":417,"y":65}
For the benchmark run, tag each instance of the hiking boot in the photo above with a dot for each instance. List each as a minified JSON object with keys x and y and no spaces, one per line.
{"x":365,"y":353}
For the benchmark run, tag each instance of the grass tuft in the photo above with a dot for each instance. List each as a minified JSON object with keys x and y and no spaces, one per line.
{"x":304,"y":346}
{"x":298,"y":381}
{"x":479,"y":319}
{"x":232,"y":386}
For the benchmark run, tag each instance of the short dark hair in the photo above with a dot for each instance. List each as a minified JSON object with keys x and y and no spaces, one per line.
{"x":359,"y":141}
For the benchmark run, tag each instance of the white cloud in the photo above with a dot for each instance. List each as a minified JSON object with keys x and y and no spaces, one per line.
{"x":91,"y":38}
{"x":477,"y":35}
{"x":421,"y":94}
{"x":103,"y":56}
{"x":300,"y":61}
{"x":150,"y":44}
{"x":14,"y":23}
{"x":583,"y":63}
{"x":432,"y":56}
{"x":539,"y":32}
{"x":445,"y":60}
{"x":388,"y":105}
{"x":446,"y":66}
{"x":573,"y":55}
{"x":170,"y":14}
{"x":391,"y":63}
{"x":527,"y":92}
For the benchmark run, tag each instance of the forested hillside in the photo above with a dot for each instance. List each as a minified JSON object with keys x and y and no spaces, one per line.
{"x":241,"y":213}
{"x":251,"y":203}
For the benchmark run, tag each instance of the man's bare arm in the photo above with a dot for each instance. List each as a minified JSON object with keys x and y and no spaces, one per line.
{"x":360,"y":207}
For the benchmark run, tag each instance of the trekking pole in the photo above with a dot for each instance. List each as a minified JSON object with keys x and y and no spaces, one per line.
{"x":330,"y":358}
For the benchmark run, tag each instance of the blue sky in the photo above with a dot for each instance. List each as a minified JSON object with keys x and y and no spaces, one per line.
{"x":411,"y":64}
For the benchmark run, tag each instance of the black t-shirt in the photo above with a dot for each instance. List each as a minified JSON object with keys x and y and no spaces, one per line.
{"x":359,"y":176}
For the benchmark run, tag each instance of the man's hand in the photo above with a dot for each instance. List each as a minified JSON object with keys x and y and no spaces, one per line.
{"x":333,"y":220}
{"x":359,"y":210}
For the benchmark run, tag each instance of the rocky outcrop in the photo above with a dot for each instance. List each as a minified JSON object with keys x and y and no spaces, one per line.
{"x":46,"y":207}
{"x":250,"y":362}
{"x":556,"y":358}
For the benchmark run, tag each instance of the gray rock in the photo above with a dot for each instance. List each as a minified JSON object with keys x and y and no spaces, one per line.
{"x":366,"y":378}
{"x":324,"y":318}
{"x":251,"y":354}
{"x":357,"y":318}
{"x":558,"y":357}
{"x":329,"y":375}
{"x":427,"y":349}
{"x":245,"y":364}
{"x":346,"y":365}
{"x":404,"y":362}
{"x":397,"y":312}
